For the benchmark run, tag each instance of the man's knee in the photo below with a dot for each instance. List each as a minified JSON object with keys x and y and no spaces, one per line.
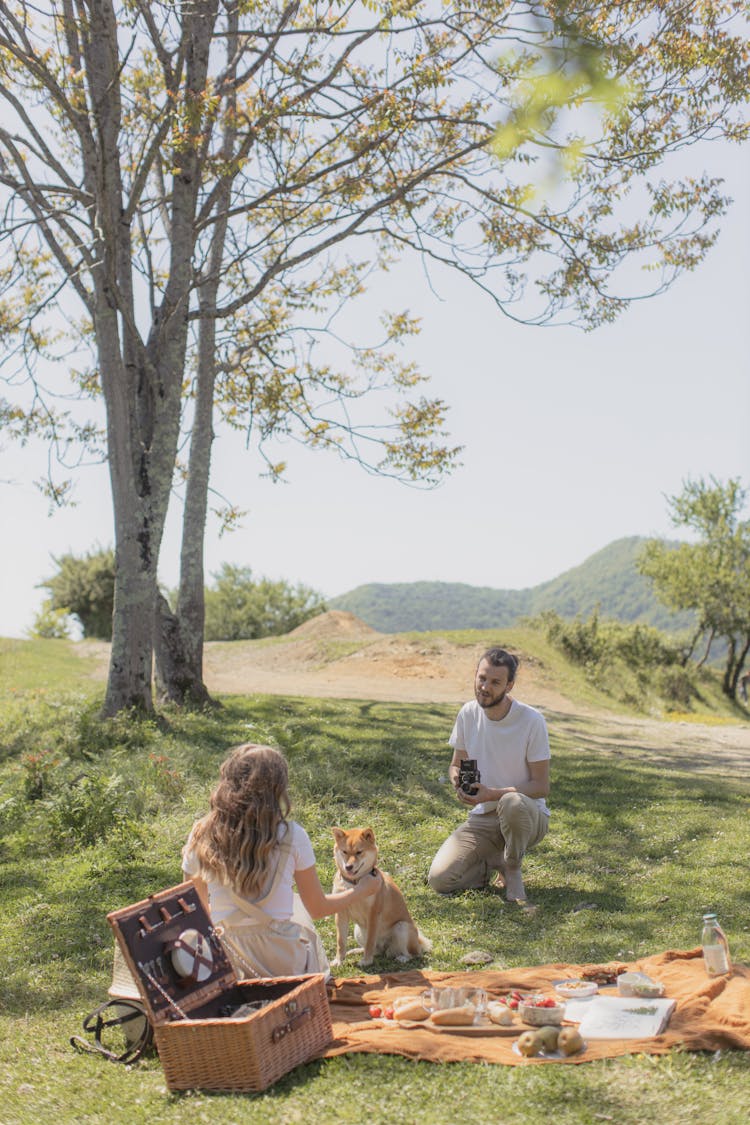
{"x":441,"y":881}
{"x":512,"y":809}
{"x":451,"y":878}
{"x":520,"y":821}
{"x":443,"y":875}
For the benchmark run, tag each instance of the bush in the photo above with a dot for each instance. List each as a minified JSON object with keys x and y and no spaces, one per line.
{"x":677,"y":685}
{"x":239,"y":608}
{"x":85,"y":587}
{"x":38,"y":770}
{"x":625,"y":661}
{"x":591,"y":642}
{"x":51,"y":623}
{"x":90,"y":808}
{"x":580,"y":640}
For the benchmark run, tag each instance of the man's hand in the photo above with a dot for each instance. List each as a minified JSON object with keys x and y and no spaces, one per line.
{"x":481,"y":793}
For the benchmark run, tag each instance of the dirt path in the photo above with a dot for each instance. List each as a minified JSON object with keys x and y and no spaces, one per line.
{"x":337,"y":656}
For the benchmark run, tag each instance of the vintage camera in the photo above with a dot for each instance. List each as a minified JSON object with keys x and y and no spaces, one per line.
{"x":468,"y":775}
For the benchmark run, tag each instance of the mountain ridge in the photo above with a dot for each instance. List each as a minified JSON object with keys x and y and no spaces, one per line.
{"x":608,"y":581}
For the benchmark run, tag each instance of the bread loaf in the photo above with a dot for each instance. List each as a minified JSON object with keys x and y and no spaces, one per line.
{"x":454,"y":1017}
{"x":409,"y":1008}
{"x":499,"y":1013}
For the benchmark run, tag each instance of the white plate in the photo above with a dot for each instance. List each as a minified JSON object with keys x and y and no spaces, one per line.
{"x":580,"y":992}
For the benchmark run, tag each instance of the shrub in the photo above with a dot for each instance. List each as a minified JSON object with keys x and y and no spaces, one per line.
{"x":580,"y":640}
{"x":240,"y":608}
{"x":676,"y":685}
{"x":626,"y":661}
{"x":89,"y":808}
{"x":85,"y":587}
{"x":38,"y":768}
{"x":52,"y":623}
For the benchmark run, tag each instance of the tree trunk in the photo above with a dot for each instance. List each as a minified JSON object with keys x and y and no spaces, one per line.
{"x":175,"y":675}
{"x":179,"y":644}
{"x":130,"y":666}
{"x":704,"y":658}
{"x":142,"y":383}
{"x":739,"y":665}
{"x":691,"y":647}
{"x":734,"y":667}
{"x":142,"y":450}
{"x":729,"y":679}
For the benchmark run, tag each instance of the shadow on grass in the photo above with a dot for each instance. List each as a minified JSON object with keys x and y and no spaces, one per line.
{"x":627,"y":837}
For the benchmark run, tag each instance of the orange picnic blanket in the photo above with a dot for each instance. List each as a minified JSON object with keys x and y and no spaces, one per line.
{"x":710,"y":1014}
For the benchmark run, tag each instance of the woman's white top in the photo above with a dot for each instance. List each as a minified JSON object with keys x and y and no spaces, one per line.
{"x":298,"y":857}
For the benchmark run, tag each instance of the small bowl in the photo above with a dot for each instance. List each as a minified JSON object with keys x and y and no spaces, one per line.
{"x":540,"y":1017}
{"x":576,"y":989}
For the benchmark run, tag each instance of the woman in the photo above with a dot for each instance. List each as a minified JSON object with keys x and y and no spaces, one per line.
{"x":245,"y":856}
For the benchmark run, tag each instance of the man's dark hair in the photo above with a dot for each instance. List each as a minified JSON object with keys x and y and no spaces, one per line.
{"x":499,"y":658}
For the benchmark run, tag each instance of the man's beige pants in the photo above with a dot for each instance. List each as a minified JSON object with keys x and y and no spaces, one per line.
{"x":486,"y":841}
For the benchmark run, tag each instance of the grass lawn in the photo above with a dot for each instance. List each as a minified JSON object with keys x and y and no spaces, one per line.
{"x":93,"y":817}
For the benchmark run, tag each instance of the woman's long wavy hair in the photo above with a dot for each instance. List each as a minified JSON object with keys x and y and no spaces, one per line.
{"x":236,"y":841}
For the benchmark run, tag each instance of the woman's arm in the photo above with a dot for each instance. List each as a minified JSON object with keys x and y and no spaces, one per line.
{"x":201,"y":887}
{"x":318,"y":904}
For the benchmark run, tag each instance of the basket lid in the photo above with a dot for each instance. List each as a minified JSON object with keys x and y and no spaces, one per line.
{"x":173,"y":952}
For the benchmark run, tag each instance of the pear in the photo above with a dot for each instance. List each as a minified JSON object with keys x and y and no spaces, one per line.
{"x":569,"y":1041}
{"x":548,"y":1035}
{"x":529,"y":1044}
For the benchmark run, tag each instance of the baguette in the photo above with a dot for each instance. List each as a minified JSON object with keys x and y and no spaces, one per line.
{"x":454,"y":1017}
{"x":400,"y":1001}
{"x":409,"y":1008}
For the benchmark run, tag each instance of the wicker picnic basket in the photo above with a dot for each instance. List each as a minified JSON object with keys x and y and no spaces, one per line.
{"x":212,"y":1031}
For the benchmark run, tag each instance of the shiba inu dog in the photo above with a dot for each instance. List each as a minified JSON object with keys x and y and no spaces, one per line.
{"x":382,"y":923}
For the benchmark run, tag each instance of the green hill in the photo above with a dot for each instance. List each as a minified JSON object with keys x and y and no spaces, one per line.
{"x":607,"y":579}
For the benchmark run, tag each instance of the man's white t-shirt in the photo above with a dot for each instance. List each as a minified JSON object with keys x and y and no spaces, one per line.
{"x":503,"y":748}
{"x":280,"y":905}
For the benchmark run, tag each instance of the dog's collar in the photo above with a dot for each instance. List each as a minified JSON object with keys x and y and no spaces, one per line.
{"x":353,"y":882}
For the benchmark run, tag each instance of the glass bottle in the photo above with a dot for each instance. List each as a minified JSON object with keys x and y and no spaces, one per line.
{"x":715,"y":947}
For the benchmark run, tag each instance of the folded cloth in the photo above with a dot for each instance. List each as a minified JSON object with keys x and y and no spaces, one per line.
{"x":710,"y":1013}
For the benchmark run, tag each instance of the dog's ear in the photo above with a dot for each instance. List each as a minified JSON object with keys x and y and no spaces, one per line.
{"x":368,"y":834}
{"x":338,"y":834}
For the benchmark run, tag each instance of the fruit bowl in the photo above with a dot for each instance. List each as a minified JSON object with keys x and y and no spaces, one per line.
{"x":538,"y":1011}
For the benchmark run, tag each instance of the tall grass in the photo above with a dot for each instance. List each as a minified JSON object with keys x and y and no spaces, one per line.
{"x":93,"y":816}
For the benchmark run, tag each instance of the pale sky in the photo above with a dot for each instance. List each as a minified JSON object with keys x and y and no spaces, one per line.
{"x":571,"y":440}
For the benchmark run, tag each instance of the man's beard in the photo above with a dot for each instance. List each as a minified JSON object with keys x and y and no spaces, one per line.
{"x":490,"y":701}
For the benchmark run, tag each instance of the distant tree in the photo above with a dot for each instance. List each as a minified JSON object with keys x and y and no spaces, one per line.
{"x":239,"y":607}
{"x":50,"y":623}
{"x":712,"y":575}
{"x":85,"y":588}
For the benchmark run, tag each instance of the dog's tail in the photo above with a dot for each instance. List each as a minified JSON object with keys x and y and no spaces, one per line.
{"x":424,"y":942}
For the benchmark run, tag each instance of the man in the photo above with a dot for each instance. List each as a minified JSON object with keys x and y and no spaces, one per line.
{"x":507,"y":811}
